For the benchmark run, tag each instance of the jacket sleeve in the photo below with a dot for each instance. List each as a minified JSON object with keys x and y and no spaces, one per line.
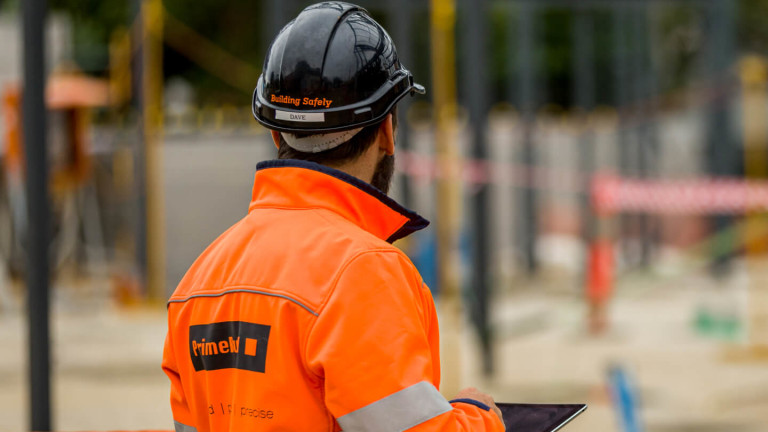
{"x":182,"y":416}
{"x":370,"y":345}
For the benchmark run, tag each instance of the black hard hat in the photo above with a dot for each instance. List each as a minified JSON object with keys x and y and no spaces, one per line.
{"x":333,"y":68}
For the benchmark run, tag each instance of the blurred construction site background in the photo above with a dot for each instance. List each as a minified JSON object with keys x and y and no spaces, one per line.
{"x":602,"y":166}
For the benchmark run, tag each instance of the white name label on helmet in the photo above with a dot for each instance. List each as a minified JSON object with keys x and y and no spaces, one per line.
{"x":300,"y":117}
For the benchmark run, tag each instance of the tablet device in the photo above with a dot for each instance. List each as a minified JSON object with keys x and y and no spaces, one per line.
{"x":538,"y":417}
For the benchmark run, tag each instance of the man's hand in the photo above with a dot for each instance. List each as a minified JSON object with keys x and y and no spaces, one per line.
{"x":473,"y":393}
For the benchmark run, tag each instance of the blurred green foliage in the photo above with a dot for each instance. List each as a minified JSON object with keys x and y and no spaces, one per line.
{"x":751,"y":29}
{"x":93,"y":22}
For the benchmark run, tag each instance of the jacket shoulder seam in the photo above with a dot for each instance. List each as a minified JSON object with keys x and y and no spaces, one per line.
{"x":328,"y":295}
{"x":349,"y":262}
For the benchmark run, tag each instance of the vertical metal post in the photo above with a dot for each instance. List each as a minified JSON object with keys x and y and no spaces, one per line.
{"x":621,"y":94}
{"x":753,"y":71}
{"x":152,"y":11}
{"x":278,"y":17}
{"x":443,"y":21}
{"x":474,"y":80}
{"x":584,"y":95}
{"x":400,"y":13}
{"x":754,"y":82}
{"x":138,"y":103}
{"x":38,"y":271}
{"x":651,"y":127}
{"x":722,"y":155}
{"x":639,"y":79}
{"x":527,"y":96}
{"x":511,"y":67}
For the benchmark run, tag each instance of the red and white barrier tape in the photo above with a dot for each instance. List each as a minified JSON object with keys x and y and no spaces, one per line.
{"x":425,"y":168}
{"x":610,"y":194}
{"x":695,"y":196}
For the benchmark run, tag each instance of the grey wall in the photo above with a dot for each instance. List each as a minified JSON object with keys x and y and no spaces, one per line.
{"x":208,"y":182}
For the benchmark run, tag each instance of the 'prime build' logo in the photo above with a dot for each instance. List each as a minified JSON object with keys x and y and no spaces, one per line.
{"x":230,"y":344}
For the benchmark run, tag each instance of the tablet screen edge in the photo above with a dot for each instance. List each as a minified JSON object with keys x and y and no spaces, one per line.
{"x":568,"y":420}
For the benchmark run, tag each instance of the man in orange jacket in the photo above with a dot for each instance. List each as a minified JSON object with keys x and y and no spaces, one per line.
{"x":303,"y":316}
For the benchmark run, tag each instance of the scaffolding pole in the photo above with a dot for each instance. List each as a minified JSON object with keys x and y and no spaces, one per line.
{"x":278,"y":11}
{"x":400,"y":13}
{"x":754,"y":82}
{"x":722,"y":156}
{"x":138,"y":104}
{"x":443,"y":22}
{"x":474,"y":80}
{"x":152,"y":14}
{"x":584,"y":96}
{"x":527,"y":97}
{"x":38,"y":264}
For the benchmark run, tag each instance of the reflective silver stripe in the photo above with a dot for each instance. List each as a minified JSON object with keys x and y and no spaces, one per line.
{"x":399,"y":411}
{"x":181,"y":427}
{"x":182,"y":300}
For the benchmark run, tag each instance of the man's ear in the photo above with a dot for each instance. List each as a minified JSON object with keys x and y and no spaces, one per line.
{"x":276,"y":138}
{"x":387,"y":136}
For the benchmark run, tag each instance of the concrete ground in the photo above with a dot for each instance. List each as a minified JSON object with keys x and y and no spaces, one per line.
{"x":683,"y":380}
{"x":107,"y":361}
{"x":106,"y":370}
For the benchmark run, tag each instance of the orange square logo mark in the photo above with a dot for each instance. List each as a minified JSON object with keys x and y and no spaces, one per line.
{"x":250,"y":346}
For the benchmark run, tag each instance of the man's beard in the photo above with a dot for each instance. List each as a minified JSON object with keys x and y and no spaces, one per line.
{"x":382,"y":175}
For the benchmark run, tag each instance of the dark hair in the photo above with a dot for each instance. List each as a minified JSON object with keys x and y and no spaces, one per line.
{"x":347,"y":152}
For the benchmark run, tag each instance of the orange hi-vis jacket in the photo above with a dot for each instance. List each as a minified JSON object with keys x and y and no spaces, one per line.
{"x":303,"y":317}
